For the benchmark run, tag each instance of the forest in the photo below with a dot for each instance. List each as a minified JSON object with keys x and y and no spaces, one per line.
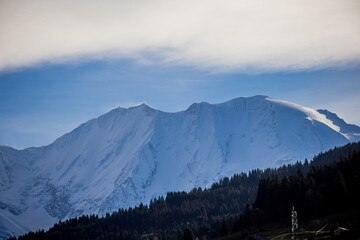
{"x":327,"y":190}
{"x":242,"y":203}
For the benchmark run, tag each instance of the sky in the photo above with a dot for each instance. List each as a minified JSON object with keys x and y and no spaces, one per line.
{"x":65,"y":62}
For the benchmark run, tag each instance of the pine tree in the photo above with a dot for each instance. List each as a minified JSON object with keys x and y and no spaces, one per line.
{"x":237,"y":224}
{"x":188,"y":234}
{"x":224,"y":230}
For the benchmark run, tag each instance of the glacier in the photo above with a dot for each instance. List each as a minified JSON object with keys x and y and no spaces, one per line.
{"x":131,"y":155}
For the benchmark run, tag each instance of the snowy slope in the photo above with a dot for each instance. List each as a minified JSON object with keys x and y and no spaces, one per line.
{"x":128,"y":156}
{"x":351,"y":131}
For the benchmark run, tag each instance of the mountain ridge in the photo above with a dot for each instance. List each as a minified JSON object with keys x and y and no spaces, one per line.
{"x":129,"y":156}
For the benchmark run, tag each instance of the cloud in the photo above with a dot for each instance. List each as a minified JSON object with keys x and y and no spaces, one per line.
{"x":232,"y":35}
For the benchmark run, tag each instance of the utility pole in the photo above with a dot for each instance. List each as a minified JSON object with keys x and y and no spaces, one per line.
{"x":294,"y":222}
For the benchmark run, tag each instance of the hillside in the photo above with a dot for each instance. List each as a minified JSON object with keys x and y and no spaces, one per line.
{"x":204,"y":210}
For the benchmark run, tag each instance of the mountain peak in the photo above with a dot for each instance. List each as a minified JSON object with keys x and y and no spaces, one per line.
{"x":131,"y":155}
{"x":142,"y":105}
{"x":196,"y":106}
{"x":256,"y":98}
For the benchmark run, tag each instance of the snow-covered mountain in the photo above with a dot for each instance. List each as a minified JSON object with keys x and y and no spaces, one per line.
{"x":129,"y":156}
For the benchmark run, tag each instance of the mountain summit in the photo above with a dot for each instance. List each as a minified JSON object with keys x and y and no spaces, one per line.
{"x":129,"y":156}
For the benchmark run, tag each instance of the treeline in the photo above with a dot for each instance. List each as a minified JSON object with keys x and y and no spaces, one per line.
{"x":203,"y":211}
{"x":325,"y":190}
{"x":335,"y":154}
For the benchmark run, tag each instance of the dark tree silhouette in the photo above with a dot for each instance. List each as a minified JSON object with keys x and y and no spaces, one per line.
{"x":188,"y":234}
{"x":224,"y":230}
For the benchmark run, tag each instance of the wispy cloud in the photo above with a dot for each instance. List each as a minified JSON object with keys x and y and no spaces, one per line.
{"x":245,"y":36}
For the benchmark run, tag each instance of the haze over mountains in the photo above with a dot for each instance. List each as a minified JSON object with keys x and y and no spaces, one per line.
{"x":129,"y":156}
